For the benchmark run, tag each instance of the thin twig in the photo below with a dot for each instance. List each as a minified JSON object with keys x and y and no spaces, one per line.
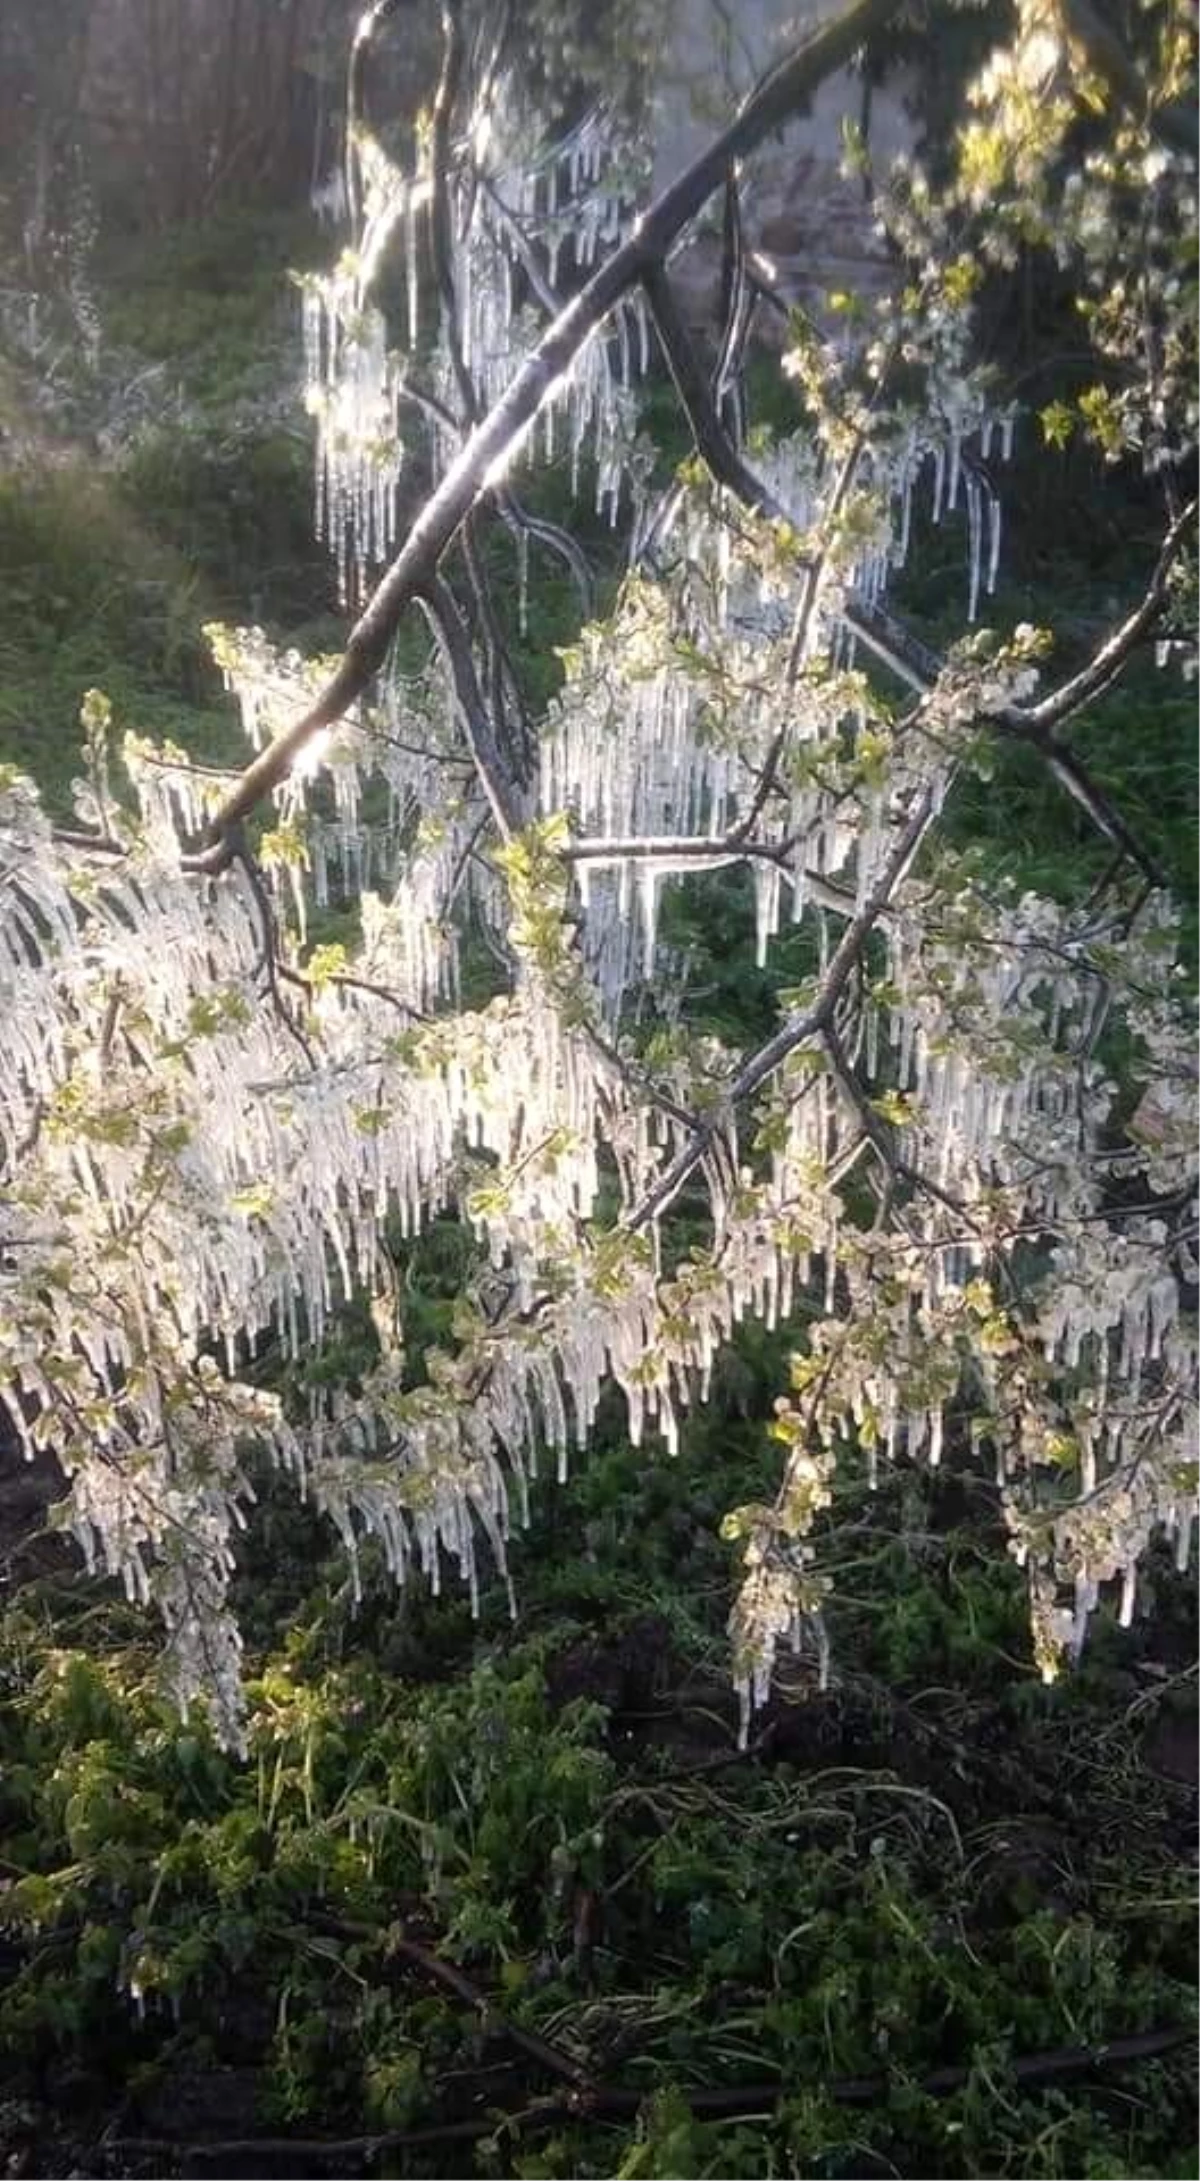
{"x":724,"y":2102}
{"x":442,"y":607}
{"x":810,"y":1023}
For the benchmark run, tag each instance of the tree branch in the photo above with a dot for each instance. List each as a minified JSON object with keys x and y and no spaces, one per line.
{"x":883,"y":635}
{"x":1107,"y":55}
{"x":811,"y":1023}
{"x":1101,"y":670}
{"x":713,"y":441}
{"x":889,"y":640}
{"x":454,"y":1980}
{"x":436,"y":596}
{"x":725,"y":2101}
{"x":518,"y":519}
{"x":441,"y":236}
{"x":709,"y":852}
{"x":738,"y":305}
{"x":1036,"y":724}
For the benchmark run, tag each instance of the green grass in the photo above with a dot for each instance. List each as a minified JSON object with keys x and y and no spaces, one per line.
{"x":214,"y":302}
{"x":89,"y":599}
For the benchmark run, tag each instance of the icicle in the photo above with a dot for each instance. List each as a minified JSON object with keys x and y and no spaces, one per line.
{"x":411,"y":264}
{"x":955,"y":468}
{"x":939,"y":478}
{"x":766,"y":907}
{"x":648,"y":888}
{"x":523,"y":582}
{"x":936,"y":1427}
{"x":994,"y":544}
{"x":974,"y":542}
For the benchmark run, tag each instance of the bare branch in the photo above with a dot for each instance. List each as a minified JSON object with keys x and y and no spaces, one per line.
{"x":726,"y":2100}
{"x":519,"y":520}
{"x":442,"y":607}
{"x":1102,"y":670}
{"x":739,"y":301}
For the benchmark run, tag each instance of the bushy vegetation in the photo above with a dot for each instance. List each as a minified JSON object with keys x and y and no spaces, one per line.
{"x":506,"y":1898}
{"x":451,"y":1841}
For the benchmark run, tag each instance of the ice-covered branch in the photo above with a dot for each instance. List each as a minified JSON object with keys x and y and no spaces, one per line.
{"x":496,"y":440}
{"x":714,"y":852}
{"x":803,"y":1027}
{"x":1040,"y":720}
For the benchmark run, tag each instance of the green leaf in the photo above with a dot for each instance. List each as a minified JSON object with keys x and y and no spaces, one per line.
{"x":1057,"y":422}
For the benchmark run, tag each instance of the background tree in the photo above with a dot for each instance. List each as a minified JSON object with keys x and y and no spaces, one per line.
{"x":166,"y":112}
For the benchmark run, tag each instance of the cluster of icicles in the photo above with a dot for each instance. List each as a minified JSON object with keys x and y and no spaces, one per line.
{"x":156,"y":1113}
{"x":995,"y":1040}
{"x":519,"y":227}
{"x":650,"y":741}
{"x":178,"y":1174}
{"x":182,"y":1173}
{"x":353,"y":384}
{"x":201,"y":1150}
{"x":525,"y":230}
